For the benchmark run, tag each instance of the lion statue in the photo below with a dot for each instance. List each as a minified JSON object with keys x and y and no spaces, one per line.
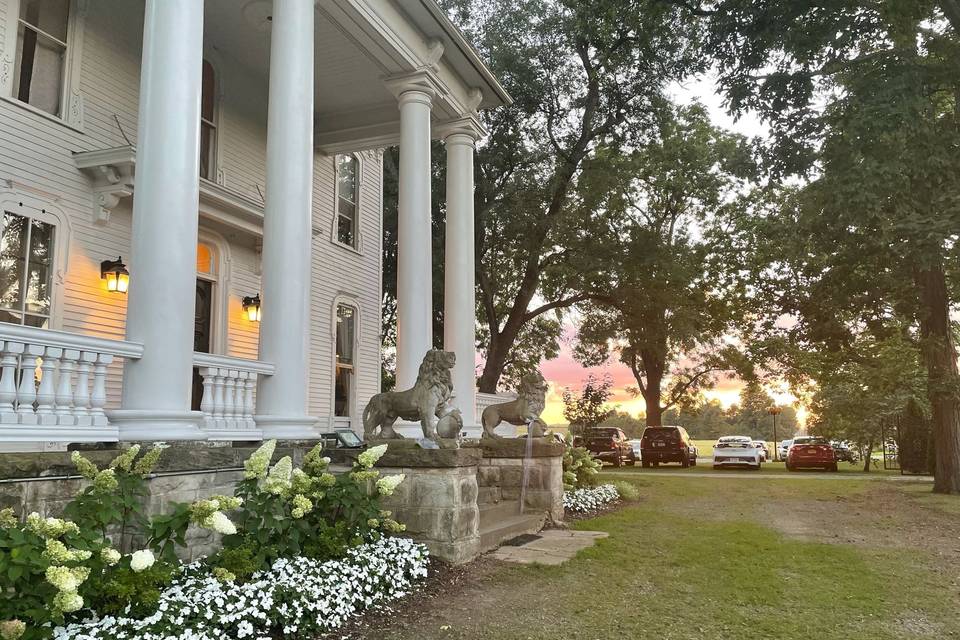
{"x":424,"y":403}
{"x":525,"y":410}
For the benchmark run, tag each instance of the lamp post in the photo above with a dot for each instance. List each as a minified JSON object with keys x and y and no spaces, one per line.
{"x":775,"y":411}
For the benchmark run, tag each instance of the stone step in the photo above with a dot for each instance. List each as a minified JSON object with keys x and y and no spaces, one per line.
{"x":494,"y":511}
{"x":494,"y":533}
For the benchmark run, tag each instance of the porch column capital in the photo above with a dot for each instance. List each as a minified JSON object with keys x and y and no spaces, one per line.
{"x":421,"y":82}
{"x":465,"y":130}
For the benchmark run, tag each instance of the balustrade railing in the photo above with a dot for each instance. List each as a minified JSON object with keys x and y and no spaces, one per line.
{"x":228,"y":400}
{"x":53,"y":384}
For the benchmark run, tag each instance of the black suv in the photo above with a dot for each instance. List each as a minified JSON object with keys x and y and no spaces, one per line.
{"x":667,"y":444}
{"x":609,"y":444}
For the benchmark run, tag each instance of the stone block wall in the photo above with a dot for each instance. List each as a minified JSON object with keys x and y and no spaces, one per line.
{"x":500,"y":475}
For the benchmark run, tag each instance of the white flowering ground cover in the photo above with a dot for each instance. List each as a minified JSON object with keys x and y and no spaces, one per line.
{"x":296,"y":598}
{"x":586,"y":500}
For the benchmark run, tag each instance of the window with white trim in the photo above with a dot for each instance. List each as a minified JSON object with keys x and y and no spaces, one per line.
{"x":348,"y":170}
{"x":345,"y":371}
{"x":208,"y":123}
{"x":41,"y":54}
{"x":26,"y":270}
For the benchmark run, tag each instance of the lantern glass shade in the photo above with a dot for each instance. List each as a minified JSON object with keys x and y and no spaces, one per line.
{"x":251,"y":307}
{"x":116,"y":275}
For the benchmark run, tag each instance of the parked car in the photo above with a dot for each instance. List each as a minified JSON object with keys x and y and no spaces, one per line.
{"x":808,"y":452}
{"x":736,"y":451}
{"x":667,"y":444}
{"x":845,"y":453}
{"x":694,"y":453}
{"x":784,"y":447}
{"x":609,"y":444}
{"x":762,"y":447}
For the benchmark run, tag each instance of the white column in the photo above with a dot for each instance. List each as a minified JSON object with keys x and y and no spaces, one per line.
{"x":285,"y":328}
{"x":163,"y":260}
{"x":459,"y":311}
{"x":414,"y":237}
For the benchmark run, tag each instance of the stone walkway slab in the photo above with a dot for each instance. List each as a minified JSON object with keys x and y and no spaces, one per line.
{"x":554,"y":547}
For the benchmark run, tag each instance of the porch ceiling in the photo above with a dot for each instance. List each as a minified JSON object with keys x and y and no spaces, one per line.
{"x":355,"y":49}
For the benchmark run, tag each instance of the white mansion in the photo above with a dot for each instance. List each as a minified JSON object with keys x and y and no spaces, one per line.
{"x":191,"y":194}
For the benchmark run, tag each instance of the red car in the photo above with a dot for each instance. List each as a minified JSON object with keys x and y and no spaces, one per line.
{"x":809,"y":452}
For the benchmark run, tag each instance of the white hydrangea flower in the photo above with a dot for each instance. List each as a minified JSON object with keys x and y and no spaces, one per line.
{"x":369,"y":457}
{"x":388,"y":484}
{"x":110,"y":556}
{"x":220,"y":523}
{"x":142,"y":560}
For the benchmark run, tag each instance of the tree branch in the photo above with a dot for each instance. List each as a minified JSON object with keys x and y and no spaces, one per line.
{"x":557,"y":304}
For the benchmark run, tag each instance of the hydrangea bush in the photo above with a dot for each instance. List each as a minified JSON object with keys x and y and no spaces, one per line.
{"x":296,"y":542}
{"x":580,"y":469}
{"x":296,"y":598}
{"x":591,"y":499}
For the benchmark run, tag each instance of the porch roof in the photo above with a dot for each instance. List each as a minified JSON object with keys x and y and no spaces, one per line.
{"x":359,"y":45}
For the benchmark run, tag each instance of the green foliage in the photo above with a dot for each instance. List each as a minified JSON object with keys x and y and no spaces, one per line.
{"x":632,"y":427}
{"x":579,"y":469}
{"x":627,"y":490}
{"x":240,"y":561}
{"x":656,"y":261}
{"x":121,"y":590}
{"x":588,"y":408}
{"x":308,"y":511}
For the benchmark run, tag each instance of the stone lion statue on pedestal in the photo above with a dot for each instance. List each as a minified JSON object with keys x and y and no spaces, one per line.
{"x":425,"y":403}
{"x":524,"y":411}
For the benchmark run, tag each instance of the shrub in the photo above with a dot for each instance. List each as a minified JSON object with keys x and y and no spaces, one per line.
{"x":627,"y":490}
{"x":289,"y":512}
{"x":579,"y":469}
{"x":125,"y":591}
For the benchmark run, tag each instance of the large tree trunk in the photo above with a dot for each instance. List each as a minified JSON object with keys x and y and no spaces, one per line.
{"x":653,"y":367}
{"x":943,"y":390}
{"x":868,"y":457}
{"x":493,"y":366}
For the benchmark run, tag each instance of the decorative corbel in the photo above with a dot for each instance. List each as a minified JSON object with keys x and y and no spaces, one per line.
{"x":434,"y":53}
{"x":111,"y":171}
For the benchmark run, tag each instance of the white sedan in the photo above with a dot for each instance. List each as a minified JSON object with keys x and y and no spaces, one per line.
{"x":736,"y":451}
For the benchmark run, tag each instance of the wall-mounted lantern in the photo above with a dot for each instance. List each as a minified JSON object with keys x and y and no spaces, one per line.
{"x":116,"y":275}
{"x":251,"y":307}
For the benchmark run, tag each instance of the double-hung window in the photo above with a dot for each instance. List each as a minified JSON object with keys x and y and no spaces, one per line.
{"x":41,"y":54}
{"x":26,"y":270}
{"x":344,"y":381}
{"x":347,"y":179}
{"x":208,"y":123}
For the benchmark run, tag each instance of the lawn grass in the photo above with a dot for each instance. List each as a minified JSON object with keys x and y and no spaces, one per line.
{"x":768,"y":467}
{"x":692,"y":560}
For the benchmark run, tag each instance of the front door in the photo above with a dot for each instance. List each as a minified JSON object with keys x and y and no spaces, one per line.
{"x":201,"y":334}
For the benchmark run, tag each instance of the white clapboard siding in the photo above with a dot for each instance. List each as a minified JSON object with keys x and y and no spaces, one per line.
{"x":36,"y":157}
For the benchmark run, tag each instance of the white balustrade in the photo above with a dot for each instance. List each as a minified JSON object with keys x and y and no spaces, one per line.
{"x":228,"y":403}
{"x":53,"y":385}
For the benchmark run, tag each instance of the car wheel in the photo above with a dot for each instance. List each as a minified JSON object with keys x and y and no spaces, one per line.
{"x":685,"y":463}
{"x":790,"y":467}
{"x":757,"y":468}
{"x":715,"y":467}
{"x":693,"y":462}
{"x":645,"y":464}
{"x":833,"y":468}
{"x":656,"y":465}
{"x":632,"y":461}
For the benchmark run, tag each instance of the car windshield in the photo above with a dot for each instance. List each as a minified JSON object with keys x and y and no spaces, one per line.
{"x":661,"y":433}
{"x":602,"y":433}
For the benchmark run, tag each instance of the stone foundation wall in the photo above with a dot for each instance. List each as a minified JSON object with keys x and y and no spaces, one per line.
{"x":500,"y":475}
{"x":439,"y":500}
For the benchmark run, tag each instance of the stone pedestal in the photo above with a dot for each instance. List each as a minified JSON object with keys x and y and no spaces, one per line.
{"x":501,"y":471}
{"x":438,"y":499}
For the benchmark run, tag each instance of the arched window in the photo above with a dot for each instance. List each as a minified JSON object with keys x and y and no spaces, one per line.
{"x":26,"y":269}
{"x":208,"y":123}
{"x":348,"y":174}
{"x":345,"y":375}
